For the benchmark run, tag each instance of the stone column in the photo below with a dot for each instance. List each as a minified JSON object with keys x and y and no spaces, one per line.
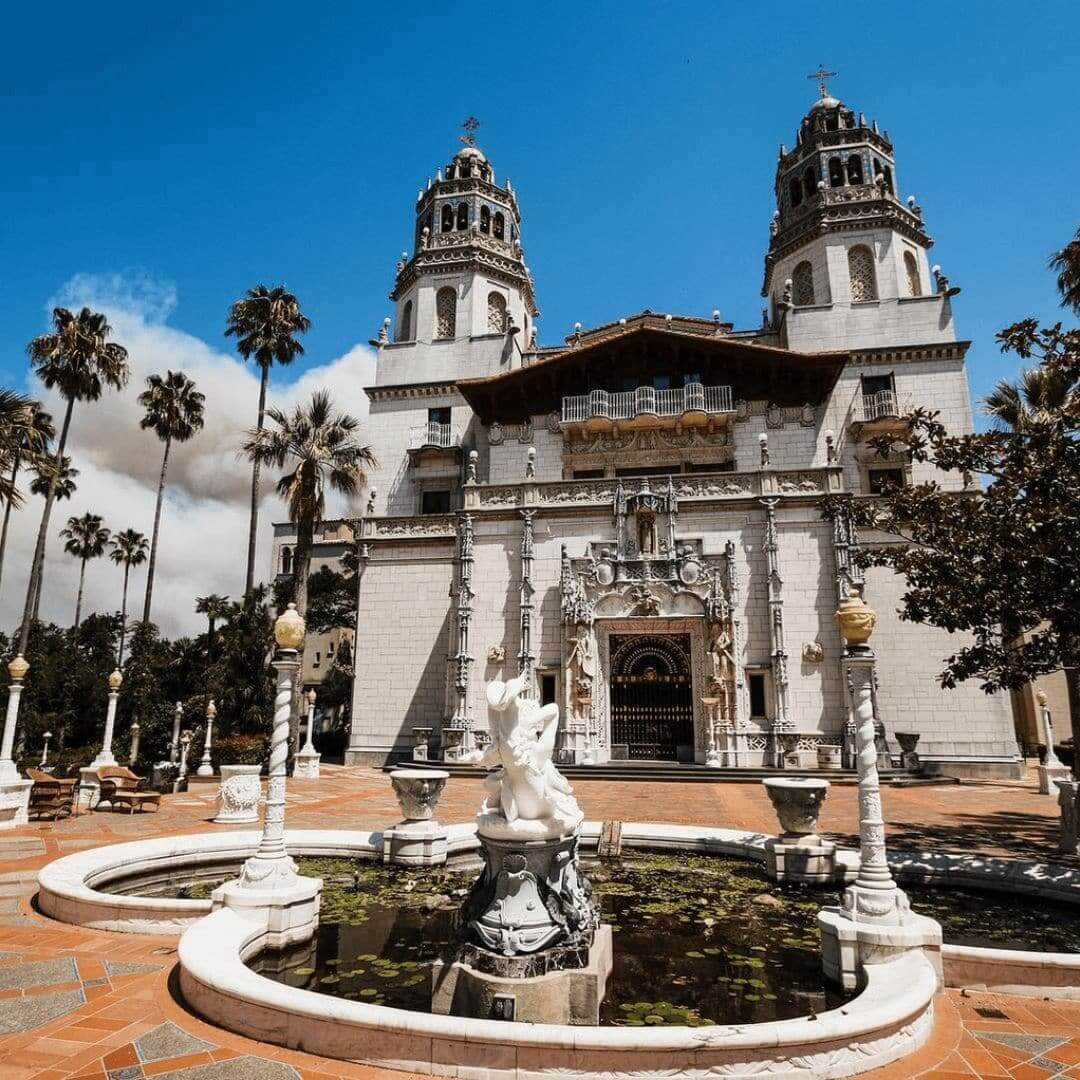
{"x":45,"y":750}
{"x":105,"y":757}
{"x":206,"y":766}
{"x":307,"y":761}
{"x":174,"y":745}
{"x":181,"y":775}
{"x":458,"y":740}
{"x":782,"y":722}
{"x":17,"y":669}
{"x":875,"y":922}
{"x":269,"y":889}
{"x":14,"y":790}
{"x":1051,"y":769}
{"x":134,"y":755}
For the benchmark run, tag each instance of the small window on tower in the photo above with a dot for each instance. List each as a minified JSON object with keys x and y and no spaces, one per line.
{"x":496,"y":313}
{"x":462,"y":216}
{"x":485,"y":219}
{"x":861,"y":274}
{"x":802,"y":281}
{"x":911,"y":270}
{"x":809,"y":180}
{"x":854,"y":169}
{"x":836,"y":172}
{"x":445,"y":313}
{"x":796,"y":191}
{"x":498,"y":227}
{"x":447,"y":224}
{"x":405,"y":324}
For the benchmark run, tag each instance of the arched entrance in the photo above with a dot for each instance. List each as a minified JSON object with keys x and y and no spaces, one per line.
{"x":652,"y":710}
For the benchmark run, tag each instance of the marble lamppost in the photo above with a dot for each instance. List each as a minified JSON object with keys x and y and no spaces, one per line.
{"x":875,"y":922}
{"x":181,"y":772}
{"x":14,"y":790}
{"x":174,"y":744}
{"x":1051,"y":769}
{"x":166,"y":772}
{"x":45,"y":750}
{"x":135,"y":731}
{"x":306,"y":763}
{"x":269,"y":889}
{"x":89,"y":781}
{"x":206,"y":766}
{"x":799,"y":854}
{"x":418,"y":840}
{"x":533,"y":948}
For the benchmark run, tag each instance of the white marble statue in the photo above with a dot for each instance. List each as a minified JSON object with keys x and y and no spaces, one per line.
{"x":527,"y":797}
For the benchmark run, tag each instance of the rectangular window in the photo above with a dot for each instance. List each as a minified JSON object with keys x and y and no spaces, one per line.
{"x":661,"y":382}
{"x":710,"y":466}
{"x":435,"y":502}
{"x":693,"y":377}
{"x":318,"y":659}
{"x":649,"y":470}
{"x":757,"y":695}
{"x":882,"y":481}
{"x":440,"y":415}
{"x":588,"y":474}
{"x":547,"y":689}
{"x":876,"y":384}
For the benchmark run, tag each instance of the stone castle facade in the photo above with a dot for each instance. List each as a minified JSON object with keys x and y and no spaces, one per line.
{"x":631,"y":517}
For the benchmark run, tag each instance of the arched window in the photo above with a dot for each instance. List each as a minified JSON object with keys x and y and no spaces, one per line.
{"x":462,"y":216}
{"x":911,"y":269}
{"x":802,"y":282}
{"x":445,"y":313}
{"x":404,"y":330}
{"x":861,"y":273}
{"x":809,"y":179}
{"x":796,"y":191}
{"x":498,"y":225}
{"x":887,"y":172}
{"x":854,"y":169}
{"x":836,"y":172}
{"x":496,"y":313}
{"x":286,"y":560}
{"x":447,"y":218}
{"x":485,"y":219}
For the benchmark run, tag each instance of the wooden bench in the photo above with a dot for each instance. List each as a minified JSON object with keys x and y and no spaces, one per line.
{"x":121,"y":787}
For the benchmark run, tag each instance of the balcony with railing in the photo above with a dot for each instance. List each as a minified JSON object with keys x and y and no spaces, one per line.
{"x":432,"y":436}
{"x":880,"y":412}
{"x":693,"y":405}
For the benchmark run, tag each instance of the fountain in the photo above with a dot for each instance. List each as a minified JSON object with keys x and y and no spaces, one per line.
{"x":533,"y":948}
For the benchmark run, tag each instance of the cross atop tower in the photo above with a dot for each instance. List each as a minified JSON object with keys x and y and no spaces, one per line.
{"x":821,"y":75}
{"x":469,"y":126}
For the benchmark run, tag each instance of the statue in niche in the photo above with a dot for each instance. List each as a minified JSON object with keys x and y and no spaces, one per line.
{"x":644,"y":602}
{"x":582,"y":663}
{"x":722,"y":658}
{"x":526,"y":795}
{"x":646,"y":533}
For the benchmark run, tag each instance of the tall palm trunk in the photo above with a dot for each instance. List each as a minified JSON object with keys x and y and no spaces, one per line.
{"x":157,"y":527}
{"x":37,"y":565}
{"x":123,"y":616}
{"x":210,"y":642}
{"x":7,"y":513}
{"x":40,"y":586}
{"x":253,"y":528}
{"x":78,"y":599}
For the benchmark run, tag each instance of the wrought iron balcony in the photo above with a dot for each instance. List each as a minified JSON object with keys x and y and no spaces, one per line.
{"x":880,"y":412}
{"x":435,"y":437}
{"x":692,"y":404}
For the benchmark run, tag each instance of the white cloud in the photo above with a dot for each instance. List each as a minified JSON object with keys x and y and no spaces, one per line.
{"x":203,"y":546}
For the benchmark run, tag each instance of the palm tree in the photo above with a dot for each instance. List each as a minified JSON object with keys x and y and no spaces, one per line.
{"x":214,"y":607}
{"x":128,"y":550}
{"x":265,"y":324}
{"x":1066,"y":264}
{"x":27,"y":431}
{"x":44,"y":467}
{"x":321,"y":451}
{"x":79,"y":361}
{"x":174,"y":411}
{"x":1038,"y":393}
{"x":85,"y":538}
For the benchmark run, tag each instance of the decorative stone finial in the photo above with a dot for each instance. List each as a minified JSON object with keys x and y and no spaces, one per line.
{"x":763,"y":442}
{"x":115,"y":680}
{"x":856,"y":619}
{"x":311,"y":696}
{"x":470,"y":469}
{"x":18,"y":668}
{"x":371,"y":501}
{"x":289,"y":629}
{"x":211,"y":709}
{"x":830,"y":447}
{"x":1040,"y":697}
{"x":530,"y":463}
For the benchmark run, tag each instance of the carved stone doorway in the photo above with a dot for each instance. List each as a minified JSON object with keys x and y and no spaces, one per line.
{"x":652,"y":706}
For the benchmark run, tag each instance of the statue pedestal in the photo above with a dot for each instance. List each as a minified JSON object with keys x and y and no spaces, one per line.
{"x":553,"y":995}
{"x":14,"y":802}
{"x":1049,"y":775}
{"x":306,"y":765}
{"x":238,"y":796}
{"x":801,"y":858}
{"x":415,"y":843}
{"x":89,"y":787}
{"x":290,"y":912}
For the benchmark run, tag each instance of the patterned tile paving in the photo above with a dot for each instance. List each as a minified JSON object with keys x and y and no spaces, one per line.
{"x":111,"y":1013}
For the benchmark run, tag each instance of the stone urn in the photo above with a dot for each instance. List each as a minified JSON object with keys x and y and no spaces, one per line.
{"x":829,"y":756}
{"x":908,"y":740}
{"x":238,"y":795}
{"x":856,"y":619}
{"x":418,"y":791}
{"x":797,"y":802}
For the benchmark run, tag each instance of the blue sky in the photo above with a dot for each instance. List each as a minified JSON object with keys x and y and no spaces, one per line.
{"x":207,"y":151}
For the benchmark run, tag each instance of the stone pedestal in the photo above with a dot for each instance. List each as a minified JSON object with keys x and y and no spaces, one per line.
{"x":553,"y":995}
{"x":306,"y":765}
{"x":419,"y":840}
{"x":421,"y":743}
{"x":1049,"y":775}
{"x":89,"y":787}
{"x":238,"y":795}
{"x":290,"y":912}
{"x":14,"y":802}
{"x":799,"y":854}
{"x":1069,"y":837}
{"x":829,"y":756}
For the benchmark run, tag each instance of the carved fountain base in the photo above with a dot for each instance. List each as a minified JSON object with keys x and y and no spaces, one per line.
{"x":534,"y":949}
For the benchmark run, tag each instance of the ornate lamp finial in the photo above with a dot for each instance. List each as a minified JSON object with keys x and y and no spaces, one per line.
{"x":469,"y":126}
{"x":115,"y":679}
{"x":289,"y":629}
{"x":821,"y":75}
{"x":18,"y":668}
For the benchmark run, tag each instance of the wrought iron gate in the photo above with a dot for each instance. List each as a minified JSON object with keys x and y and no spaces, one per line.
{"x":652,"y":710}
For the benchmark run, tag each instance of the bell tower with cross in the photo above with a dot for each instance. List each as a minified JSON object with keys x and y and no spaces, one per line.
{"x":847,"y":263}
{"x":466,"y":276}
